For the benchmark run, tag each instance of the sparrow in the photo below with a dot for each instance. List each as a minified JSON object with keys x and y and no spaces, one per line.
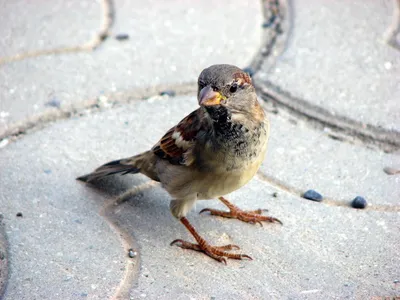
{"x":212,"y":152}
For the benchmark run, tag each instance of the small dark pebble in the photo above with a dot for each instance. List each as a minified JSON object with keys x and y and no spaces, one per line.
{"x":84,"y":295}
{"x":131,"y":253}
{"x":264,"y":51}
{"x":249,"y":70}
{"x":53,"y":103}
{"x":122,"y":36}
{"x":275,"y":111}
{"x":268,"y":23}
{"x":126,"y":123}
{"x":2,"y":255}
{"x":47,"y":171}
{"x":396,"y":281}
{"x":170,"y":93}
{"x":275,"y":195}
{"x":103,"y":36}
{"x":335,"y":137}
{"x":19,"y":214}
{"x":391,"y":171}
{"x":359,"y":202}
{"x":312,"y":195}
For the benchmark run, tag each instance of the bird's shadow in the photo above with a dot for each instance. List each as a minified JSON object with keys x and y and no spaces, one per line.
{"x":114,"y":185}
{"x":138,"y":196}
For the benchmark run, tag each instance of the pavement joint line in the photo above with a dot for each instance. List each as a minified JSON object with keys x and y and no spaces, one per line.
{"x":279,"y":11}
{"x":39,"y":121}
{"x":94,"y":43}
{"x":4,"y":258}
{"x":393,"y":34}
{"x":327,"y":200}
{"x":272,"y":108}
{"x":279,"y":14}
{"x":108,"y":209}
{"x":275,"y":34}
{"x":387,"y":140}
{"x":132,"y":192}
{"x":132,"y":266}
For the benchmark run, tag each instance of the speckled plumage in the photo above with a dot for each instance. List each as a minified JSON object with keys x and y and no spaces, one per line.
{"x":213,"y":151}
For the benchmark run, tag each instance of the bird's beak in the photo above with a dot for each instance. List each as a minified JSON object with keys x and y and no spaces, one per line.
{"x":208,"y":97}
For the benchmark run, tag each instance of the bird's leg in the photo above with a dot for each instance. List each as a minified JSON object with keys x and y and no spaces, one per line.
{"x":218,"y":253}
{"x":253,"y":216}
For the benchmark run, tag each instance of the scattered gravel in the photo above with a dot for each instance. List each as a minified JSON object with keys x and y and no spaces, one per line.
{"x":122,"y":37}
{"x":131,"y":253}
{"x":359,"y":202}
{"x":312,"y":195}
{"x":169,"y":93}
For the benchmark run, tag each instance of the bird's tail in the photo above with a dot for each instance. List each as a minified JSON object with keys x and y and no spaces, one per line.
{"x":143,"y":163}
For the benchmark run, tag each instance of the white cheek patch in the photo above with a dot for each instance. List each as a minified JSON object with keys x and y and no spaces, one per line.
{"x":179,"y":141}
{"x":239,"y":118}
{"x":242,"y":83}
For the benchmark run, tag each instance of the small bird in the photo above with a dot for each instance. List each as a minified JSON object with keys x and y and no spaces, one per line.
{"x":213,"y":151}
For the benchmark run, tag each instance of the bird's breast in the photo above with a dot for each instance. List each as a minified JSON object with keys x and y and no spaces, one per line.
{"x":234,"y":148}
{"x":214,"y":185}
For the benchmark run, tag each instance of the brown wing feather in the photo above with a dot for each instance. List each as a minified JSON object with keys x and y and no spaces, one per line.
{"x":180,"y":139}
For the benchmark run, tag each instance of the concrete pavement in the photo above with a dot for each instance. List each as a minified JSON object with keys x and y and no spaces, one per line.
{"x":168,"y":50}
{"x":72,"y":240}
{"x":353,"y":42}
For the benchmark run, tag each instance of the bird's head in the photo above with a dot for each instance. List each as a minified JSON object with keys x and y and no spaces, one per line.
{"x":226,"y":87}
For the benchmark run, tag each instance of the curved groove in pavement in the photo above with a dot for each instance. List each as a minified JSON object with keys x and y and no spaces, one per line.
{"x":276,"y":29}
{"x":280,"y":8}
{"x":387,"y":140}
{"x":108,"y":20}
{"x":327,"y":200}
{"x":393,"y":34}
{"x":127,"y":241}
{"x":38,"y":121}
{"x":278,"y":16}
{"x":4,"y":258}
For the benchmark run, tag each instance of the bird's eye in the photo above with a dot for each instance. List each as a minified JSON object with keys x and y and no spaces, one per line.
{"x":233,"y":88}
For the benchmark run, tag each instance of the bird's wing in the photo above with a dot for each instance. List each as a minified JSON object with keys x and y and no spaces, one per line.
{"x":177,"y":144}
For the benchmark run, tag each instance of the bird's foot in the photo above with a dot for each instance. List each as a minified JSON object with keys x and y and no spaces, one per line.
{"x":252,"y":216}
{"x":217,"y":252}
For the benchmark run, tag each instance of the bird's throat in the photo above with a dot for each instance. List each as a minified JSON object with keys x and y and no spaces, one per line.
{"x":219,"y":114}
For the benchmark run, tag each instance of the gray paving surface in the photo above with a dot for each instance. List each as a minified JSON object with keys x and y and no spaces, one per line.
{"x":338,"y":170}
{"x":72,"y":239}
{"x":349,"y":69}
{"x":320,"y":251}
{"x":3,"y":257}
{"x":28,"y":27}
{"x":61,"y":248}
{"x":172,"y":48}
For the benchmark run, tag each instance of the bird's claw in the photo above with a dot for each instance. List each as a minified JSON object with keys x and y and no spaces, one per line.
{"x":216,"y":252}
